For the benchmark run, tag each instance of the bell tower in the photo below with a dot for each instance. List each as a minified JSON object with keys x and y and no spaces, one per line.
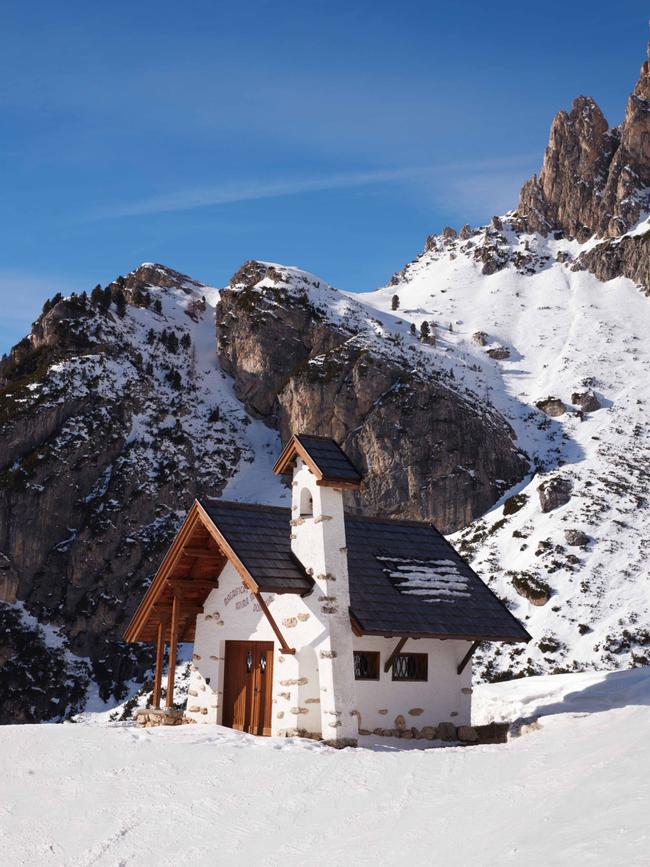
{"x":321,"y":472}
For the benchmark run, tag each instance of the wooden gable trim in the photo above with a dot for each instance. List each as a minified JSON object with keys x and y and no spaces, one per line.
{"x":294,"y":449}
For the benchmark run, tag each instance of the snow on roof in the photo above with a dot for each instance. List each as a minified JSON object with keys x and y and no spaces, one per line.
{"x":433,"y":580}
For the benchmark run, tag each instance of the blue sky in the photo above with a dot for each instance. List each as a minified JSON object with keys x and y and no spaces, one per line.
{"x":330,"y":135}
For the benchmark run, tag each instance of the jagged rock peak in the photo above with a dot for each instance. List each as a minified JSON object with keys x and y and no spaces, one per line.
{"x":594,"y":180}
{"x":161,"y":276}
{"x":255,"y":274}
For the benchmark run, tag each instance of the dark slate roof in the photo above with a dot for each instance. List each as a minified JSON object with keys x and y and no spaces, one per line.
{"x":381,"y":608}
{"x":330,"y":458}
{"x":260,"y":536}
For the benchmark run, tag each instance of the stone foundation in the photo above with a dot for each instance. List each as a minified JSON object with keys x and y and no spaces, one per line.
{"x":493,"y":733}
{"x":146,"y":718}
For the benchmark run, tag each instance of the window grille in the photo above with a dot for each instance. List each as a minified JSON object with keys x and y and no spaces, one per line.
{"x":366,"y":666}
{"x":410,"y":666}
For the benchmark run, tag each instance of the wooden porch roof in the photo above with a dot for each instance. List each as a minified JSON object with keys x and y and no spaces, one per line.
{"x":191,"y":567}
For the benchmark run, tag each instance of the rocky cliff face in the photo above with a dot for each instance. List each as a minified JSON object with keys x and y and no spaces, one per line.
{"x":594,"y":180}
{"x":305,"y":358}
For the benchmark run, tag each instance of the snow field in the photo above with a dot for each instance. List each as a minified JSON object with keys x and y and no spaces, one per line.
{"x":573,"y":791}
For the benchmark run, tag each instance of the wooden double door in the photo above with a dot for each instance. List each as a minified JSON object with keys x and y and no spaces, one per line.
{"x":248,"y":686}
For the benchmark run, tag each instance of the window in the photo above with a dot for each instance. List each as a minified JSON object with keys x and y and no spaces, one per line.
{"x":411,"y":666}
{"x":366,"y":666}
{"x":306,"y":504}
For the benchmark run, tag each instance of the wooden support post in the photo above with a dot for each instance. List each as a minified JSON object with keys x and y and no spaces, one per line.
{"x":467,"y":657}
{"x":274,"y":626}
{"x":391,"y":658}
{"x":160,"y":654}
{"x":173,"y":639}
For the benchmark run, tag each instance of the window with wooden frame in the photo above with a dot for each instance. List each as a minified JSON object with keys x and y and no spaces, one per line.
{"x":411,"y":666}
{"x":366,"y":665}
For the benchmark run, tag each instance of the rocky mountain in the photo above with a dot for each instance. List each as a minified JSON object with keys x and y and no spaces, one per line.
{"x":120,"y":408}
{"x":305,"y":357}
{"x":498,"y":385}
{"x":595,"y":183}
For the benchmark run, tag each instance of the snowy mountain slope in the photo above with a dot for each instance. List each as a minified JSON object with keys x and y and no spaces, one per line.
{"x":571,"y":788}
{"x":111,"y":424}
{"x":565,"y":333}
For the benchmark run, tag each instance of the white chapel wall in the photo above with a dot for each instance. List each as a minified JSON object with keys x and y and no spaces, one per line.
{"x":444,"y":697}
{"x":231,"y":613}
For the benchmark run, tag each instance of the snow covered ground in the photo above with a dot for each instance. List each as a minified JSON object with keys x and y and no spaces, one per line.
{"x":573,"y":788}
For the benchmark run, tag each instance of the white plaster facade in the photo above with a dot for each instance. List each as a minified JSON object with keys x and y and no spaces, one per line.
{"x":314,"y":692}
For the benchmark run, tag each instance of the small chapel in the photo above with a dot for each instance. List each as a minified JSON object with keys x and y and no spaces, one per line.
{"x":315,"y":622}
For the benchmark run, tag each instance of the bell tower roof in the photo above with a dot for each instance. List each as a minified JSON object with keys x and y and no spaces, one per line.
{"x":325,"y":459}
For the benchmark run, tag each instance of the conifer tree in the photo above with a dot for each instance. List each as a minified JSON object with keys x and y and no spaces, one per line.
{"x":394,"y":304}
{"x":120,"y":303}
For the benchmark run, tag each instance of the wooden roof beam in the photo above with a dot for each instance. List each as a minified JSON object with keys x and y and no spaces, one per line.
{"x":467,"y":657}
{"x":203,"y":553}
{"x":391,"y":658}
{"x":191,"y":584}
{"x":274,"y":626}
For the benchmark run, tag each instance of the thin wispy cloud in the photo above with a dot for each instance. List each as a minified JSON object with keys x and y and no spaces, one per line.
{"x":185,"y":200}
{"x":205,"y":196}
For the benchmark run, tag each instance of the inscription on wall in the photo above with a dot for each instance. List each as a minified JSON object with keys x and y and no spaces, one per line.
{"x":242,"y":597}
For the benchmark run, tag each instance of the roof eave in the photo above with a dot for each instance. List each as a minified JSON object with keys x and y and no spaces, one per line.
{"x":444,"y":636}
